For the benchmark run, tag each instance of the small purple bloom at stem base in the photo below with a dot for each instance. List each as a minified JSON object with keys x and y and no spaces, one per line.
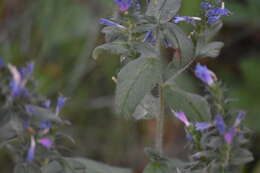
{"x":200,"y":126}
{"x":31,"y":151}
{"x":46,"y":142}
{"x":204,"y":74}
{"x":229,"y":136}
{"x":220,"y":124}
{"x":181,"y":116}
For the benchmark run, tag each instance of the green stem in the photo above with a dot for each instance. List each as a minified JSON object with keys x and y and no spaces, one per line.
{"x":160,"y":123}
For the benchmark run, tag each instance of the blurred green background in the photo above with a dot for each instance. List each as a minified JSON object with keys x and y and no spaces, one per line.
{"x":59,"y":35}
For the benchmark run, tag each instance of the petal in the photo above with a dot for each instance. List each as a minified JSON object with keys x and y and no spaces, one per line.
{"x":31,"y":151}
{"x":46,"y":142}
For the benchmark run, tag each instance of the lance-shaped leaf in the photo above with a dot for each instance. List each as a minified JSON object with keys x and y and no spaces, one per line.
{"x":184,"y":51}
{"x":204,"y":48}
{"x":135,"y":80}
{"x":110,"y":49}
{"x":81,"y":165}
{"x":41,"y":114}
{"x":163,"y":9}
{"x":180,"y":41}
{"x":195,"y":107}
{"x":241,"y":156}
{"x":211,"y":50}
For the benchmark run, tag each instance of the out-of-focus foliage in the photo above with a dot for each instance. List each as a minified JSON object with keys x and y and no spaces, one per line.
{"x":60,"y":35}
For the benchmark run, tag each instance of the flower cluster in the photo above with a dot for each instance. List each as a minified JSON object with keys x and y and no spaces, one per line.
{"x":224,"y":129}
{"x":213,"y":13}
{"x":41,"y":131}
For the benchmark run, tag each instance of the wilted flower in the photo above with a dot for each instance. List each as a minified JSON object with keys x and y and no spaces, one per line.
{"x":31,"y":151}
{"x":200,"y":126}
{"x":181,"y":116}
{"x":204,"y":74}
{"x":46,"y":142}
{"x":220,"y":124}
{"x":187,"y":19}
{"x":111,"y":23}
{"x":124,"y":5}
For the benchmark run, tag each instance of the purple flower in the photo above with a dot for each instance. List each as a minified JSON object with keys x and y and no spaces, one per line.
{"x":2,"y":63}
{"x":218,"y":12}
{"x":124,"y":5}
{"x":45,"y":124}
{"x":204,"y":74}
{"x":213,"y":19}
{"x":200,"y":126}
{"x":20,"y":77}
{"x":206,"y":5}
{"x":220,"y":124}
{"x":229,"y":136}
{"x":47,"y":104}
{"x":187,"y":19}
{"x":31,"y":151}
{"x":111,"y":23}
{"x":149,"y":37}
{"x":189,"y":137}
{"x":181,"y":116}
{"x":215,"y":14}
{"x":29,"y":109}
{"x":27,"y":71}
{"x":60,"y":103}
{"x":241,"y":115}
{"x":46,"y":142}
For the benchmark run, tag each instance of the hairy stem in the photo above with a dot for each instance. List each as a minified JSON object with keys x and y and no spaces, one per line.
{"x":160,"y":123}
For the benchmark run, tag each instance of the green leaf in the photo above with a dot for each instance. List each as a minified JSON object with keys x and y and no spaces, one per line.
{"x":41,"y":114}
{"x":144,"y":49}
{"x":157,"y":167}
{"x":27,"y":168}
{"x":184,"y":55}
{"x":241,"y":156}
{"x":112,"y":34}
{"x":5,"y":116}
{"x":180,"y":41}
{"x":203,"y":47}
{"x":91,"y":166}
{"x":195,"y":106}
{"x":148,"y":108}
{"x":135,"y":80}
{"x":163,"y":9}
{"x":211,"y":50}
{"x":110,"y":49}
